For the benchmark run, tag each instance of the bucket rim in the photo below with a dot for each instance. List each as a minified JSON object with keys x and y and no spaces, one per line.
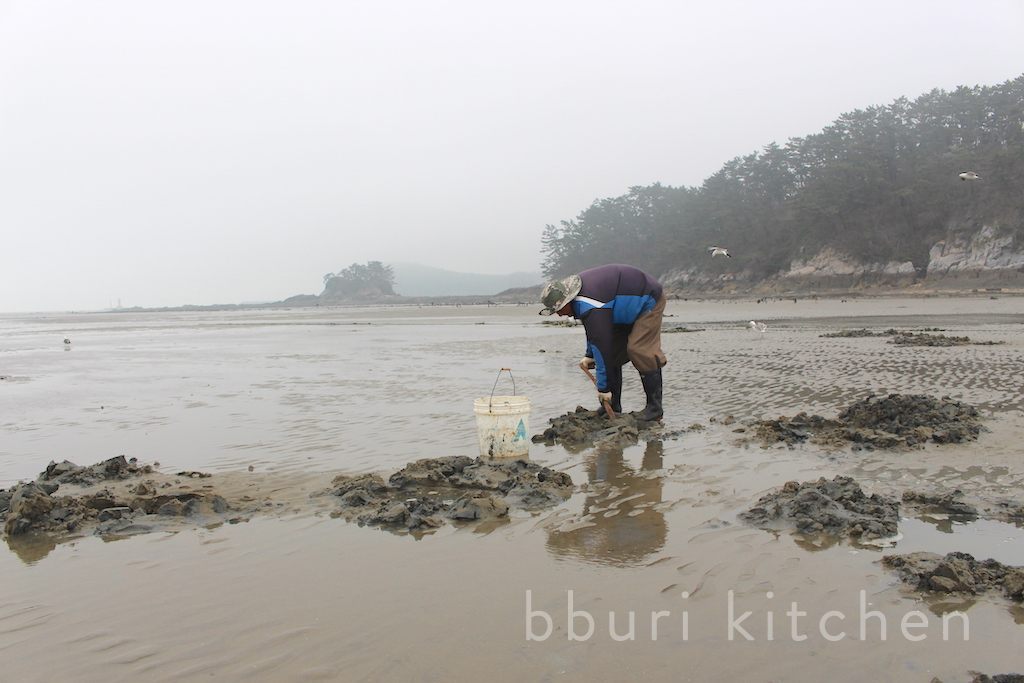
{"x":510,"y":397}
{"x":488,"y":400}
{"x":484,"y":407}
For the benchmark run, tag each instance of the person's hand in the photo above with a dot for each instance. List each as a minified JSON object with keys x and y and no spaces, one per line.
{"x":604,"y":397}
{"x":586,"y":363}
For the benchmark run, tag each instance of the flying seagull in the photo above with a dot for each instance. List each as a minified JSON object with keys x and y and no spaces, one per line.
{"x":719,"y":251}
{"x":759,"y":327}
{"x":969,"y":175}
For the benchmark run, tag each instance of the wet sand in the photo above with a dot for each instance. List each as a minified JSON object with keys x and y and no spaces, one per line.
{"x":295,"y":594}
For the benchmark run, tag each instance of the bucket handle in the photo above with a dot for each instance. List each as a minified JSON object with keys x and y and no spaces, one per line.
{"x":490,"y":402}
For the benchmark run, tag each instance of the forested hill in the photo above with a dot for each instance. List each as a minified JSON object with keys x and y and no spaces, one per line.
{"x":879,"y":185}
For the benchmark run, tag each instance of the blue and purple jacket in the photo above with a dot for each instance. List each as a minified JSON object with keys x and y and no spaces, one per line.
{"x":610,"y":301}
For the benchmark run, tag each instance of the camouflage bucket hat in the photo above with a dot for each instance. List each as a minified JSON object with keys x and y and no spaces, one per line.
{"x":558,"y":293}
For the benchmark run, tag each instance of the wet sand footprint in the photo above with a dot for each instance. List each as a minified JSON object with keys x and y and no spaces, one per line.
{"x":705,"y":586}
{"x":661,"y":560}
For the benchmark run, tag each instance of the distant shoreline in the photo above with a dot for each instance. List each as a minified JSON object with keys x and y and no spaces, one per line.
{"x":504,"y":300}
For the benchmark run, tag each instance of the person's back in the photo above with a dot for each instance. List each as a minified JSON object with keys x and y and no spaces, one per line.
{"x":627,"y":291}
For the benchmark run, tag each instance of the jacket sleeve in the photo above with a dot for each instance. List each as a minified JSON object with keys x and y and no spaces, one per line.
{"x":599,"y":329}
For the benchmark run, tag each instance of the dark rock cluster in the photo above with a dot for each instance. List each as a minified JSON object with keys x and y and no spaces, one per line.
{"x":67,"y":472}
{"x":36,"y":506}
{"x":880,"y":422}
{"x":957,"y":573}
{"x":946,"y":503}
{"x":837,"y":508}
{"x":906,"y":338}
{"x":925,"y":339}
{"x":427,"y":493}
{"x":583,"y":427}
{"x":843,"y":334}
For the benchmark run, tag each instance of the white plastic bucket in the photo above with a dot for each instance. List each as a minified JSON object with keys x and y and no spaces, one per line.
{"x":503,"y":426}
{"x":503,"y":423}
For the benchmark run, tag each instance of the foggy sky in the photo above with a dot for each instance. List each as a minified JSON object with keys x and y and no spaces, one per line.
{"x":220,"y":151}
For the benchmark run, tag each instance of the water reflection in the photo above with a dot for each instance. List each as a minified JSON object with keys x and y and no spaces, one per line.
{"x":945,"y":603}
{"x":944,"y":523}
{"x":620,"y":523}
{"x":816,"y":542}
{"x":31,"y":548}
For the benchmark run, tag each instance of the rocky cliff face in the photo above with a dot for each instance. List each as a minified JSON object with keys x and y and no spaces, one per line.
{"x":984,"y":258}
{"x":830,"y":263}
{"x":984,"y":250}
{"x":696,"y":279}
{"x":976,"y":254}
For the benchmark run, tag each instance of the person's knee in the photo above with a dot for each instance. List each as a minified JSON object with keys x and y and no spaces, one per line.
{"x":645,"y":364}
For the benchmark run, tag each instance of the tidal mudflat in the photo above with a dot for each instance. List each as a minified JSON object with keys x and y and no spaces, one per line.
{"x":283,"y":407}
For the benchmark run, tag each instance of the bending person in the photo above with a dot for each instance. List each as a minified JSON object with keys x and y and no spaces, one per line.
{"x":621,"y":308}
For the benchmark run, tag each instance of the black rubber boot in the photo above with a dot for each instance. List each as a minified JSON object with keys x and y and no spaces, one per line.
{"x":652,"y":387}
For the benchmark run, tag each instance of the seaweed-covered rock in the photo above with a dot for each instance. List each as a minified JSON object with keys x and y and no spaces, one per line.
{"x":583,"y":427}
{"x":429,"y":471}
{"x":901,"y":414}
{"x":922,"y":339}
{"x":862,"y":332}
{"x":838,"y":507}
{"x":424,"y":493}
{"x":880,"y":422}
{"x":947,"y":503}
{"x":957,"y":573}
{"x":998,"y":678}
{"x":30,"y":506}
{"x":359,"y":491}
{"x":478,"y":507}
{"x":1006,"y":510}
{"x":67,"y":472}
{"x":794,"y":429}
{"x":907,"y":338}
{"x":925,"y":339}
{"x":116,"y":507}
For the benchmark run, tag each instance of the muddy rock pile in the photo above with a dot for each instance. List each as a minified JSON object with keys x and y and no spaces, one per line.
{"x":36,"y":507}
{"x":846,"y":334}
{"x":796,"y":429}
{"x":880,"y":422}
{"x":925,"y":339}
{"x":67,"y":472}
{"x":837,"y":508}
{"x":1005,"y":510}
{"x":427,"y":493}
{"x":583,"y":427}
{"x":945,"y":503}
{"x":955,"y":505}
{"x":905,"y":338}
{"x":914,"y":417}
{"x":957,"y":573}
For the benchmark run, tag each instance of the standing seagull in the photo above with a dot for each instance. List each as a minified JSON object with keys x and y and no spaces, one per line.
{"x":719,"y":251}
{"x":969,"y":175}
{"x":67,"y":341}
